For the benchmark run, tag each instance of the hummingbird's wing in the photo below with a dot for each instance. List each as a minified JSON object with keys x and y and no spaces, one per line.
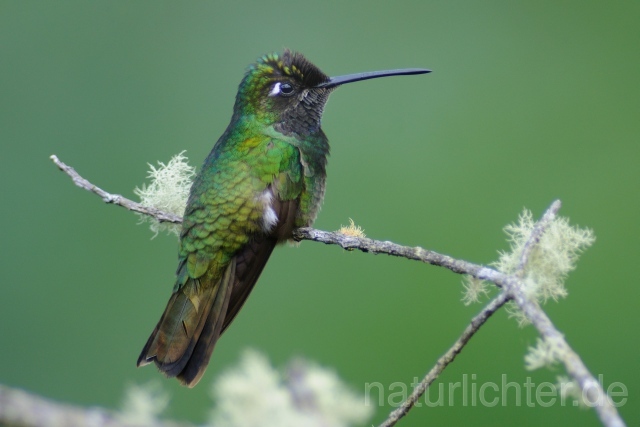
{"x":251,"y":260}
{"x":232,"y":222}
{"x":285,"y":191}
{"x":244,"y":270}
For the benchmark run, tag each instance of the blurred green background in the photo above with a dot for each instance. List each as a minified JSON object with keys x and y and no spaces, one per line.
{"x":528,"y":102}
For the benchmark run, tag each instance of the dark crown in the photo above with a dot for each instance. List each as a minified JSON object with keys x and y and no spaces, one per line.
{"x":292,"y":64}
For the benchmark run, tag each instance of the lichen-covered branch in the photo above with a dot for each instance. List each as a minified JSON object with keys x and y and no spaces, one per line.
{"x":115,"y":199}
{"x":591,"y":388}
{"x":536,"y":234}
{"x":512,"y":286}
{"x":416,"y":253}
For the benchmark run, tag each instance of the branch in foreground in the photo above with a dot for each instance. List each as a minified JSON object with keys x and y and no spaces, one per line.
{"x":511,"y":284}
{"x":19,"y":408}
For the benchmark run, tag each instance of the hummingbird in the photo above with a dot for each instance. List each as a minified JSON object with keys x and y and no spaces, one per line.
{"x":263,"y":178}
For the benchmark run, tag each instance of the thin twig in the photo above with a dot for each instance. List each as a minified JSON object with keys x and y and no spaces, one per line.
{"x":416,"y":253}
{"x":115,"y":199}
{"x":511,"y":284}
{"x":445,"y":359}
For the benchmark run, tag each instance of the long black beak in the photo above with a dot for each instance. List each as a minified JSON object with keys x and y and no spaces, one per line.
{"x":340,"y":80}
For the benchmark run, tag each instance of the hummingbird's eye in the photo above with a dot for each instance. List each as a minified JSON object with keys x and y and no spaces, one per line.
{"x":286,"y":89}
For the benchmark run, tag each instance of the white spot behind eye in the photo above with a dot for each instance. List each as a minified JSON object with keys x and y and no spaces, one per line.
{"x":275,"y":90}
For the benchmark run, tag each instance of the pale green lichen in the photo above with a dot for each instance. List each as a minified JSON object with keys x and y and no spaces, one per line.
{"x":550,"y":260}
{"x":515,"y":313}
{"x":143,"y":404}
{"x":545,"y":353}
{"x":255,"y":393}
{"x":352,"y":230}
{"x":473,"y":289}
{"x":168,"y":191}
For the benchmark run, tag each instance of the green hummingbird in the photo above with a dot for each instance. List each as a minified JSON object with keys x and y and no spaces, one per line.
{"x":264,"y":177}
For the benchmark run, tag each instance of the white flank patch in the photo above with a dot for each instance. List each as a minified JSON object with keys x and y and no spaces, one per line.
{"x":269,"y":217}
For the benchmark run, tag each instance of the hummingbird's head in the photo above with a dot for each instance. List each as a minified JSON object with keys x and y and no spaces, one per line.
{"x":289,"y":92}
{"x":284,"y":90}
